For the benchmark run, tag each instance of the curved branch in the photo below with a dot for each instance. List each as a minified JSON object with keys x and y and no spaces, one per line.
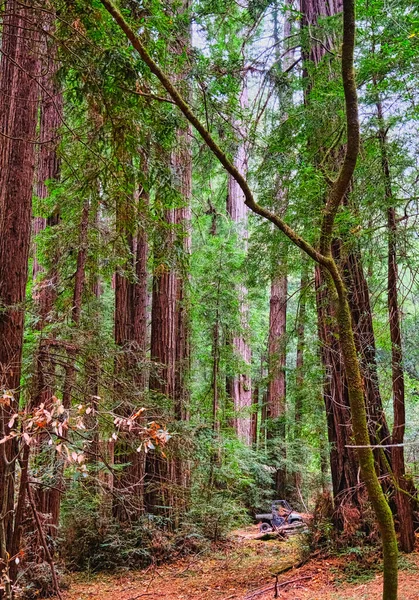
{"x":209,"y":140}
{"x":341,"y":184}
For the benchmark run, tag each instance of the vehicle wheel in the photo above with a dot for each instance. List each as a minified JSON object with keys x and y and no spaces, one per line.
{"x":265,"y":527}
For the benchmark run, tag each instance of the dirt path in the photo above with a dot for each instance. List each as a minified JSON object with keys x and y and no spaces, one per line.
{"x":243,"y":570}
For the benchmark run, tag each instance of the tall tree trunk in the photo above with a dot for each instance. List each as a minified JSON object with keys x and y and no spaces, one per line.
{"x":182,"y":164}
{"x":404,"y":505}
{"x":48,"y":163}
{"x":131,"y":300}
{"x":299,"y":373}
{"x":18,"y":72}
{"x":343,"y":463}
{"x":343,"y":459}
{"x":45,"y":283}
{"x":170,"y":328}
{"x":277,"y":378}
{"x":240,"y":385}
{"x":277,"y":341}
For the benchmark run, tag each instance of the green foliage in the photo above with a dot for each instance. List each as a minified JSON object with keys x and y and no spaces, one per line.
{"x":119,"y":137}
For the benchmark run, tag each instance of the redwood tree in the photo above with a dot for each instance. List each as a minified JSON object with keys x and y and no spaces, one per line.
{"x":19,"y":93}
{"x":403,"y":489}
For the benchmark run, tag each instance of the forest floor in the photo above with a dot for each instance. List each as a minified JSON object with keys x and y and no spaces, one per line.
{"x":244,"y":569}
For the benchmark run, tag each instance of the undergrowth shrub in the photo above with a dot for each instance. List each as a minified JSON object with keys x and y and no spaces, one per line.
{"x":92,"y":540}
{"x":349,"y":528}
{"x":35,"y":581}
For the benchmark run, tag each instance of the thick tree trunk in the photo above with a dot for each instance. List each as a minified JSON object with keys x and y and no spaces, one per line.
{"x":240,"y":386}
{"x":343,"y":463}
{"x":170,"y":322}
{"x":343,"y":460}
{"x":131,"y":300}
{"x":48,"y":163}
{"x":18,"y":111}
{"x":362,"y":439}
{"x":163,"y":330}
{"x":45,"y":283}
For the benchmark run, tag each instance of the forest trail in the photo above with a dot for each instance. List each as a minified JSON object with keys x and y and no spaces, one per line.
{"x":243,"y":569}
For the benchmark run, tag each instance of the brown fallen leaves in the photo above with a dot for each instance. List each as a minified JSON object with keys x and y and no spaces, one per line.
{"x":238,"y":570}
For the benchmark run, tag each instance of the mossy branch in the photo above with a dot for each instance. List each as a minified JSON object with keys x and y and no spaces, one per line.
{"x":186,"y":109}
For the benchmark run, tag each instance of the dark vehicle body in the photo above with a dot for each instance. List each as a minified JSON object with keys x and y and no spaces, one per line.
{"x":281,"y":514}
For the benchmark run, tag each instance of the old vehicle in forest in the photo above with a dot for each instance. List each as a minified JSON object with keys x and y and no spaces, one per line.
{"x":281,"y":516}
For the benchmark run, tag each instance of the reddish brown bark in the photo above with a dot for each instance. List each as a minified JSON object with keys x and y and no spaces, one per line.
{"x":170,"y":329}
{"x":344,"y":469}
{"x":277,"y":376}
{"x":131,"y":300}
{"x":403,"y":501}
{"x":18,"y":110}
{"x":182,"y":161}
{"x":359,"y":301}
{"x":163,"y":331}
{"x":47,"y":171}
{"x":343,"y":461}
{"x":48,"y":163}
{"x":277,"y":347}
{"x":312,"y":11}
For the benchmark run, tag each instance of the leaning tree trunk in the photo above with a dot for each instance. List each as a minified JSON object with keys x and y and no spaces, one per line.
{"x":343,"y":462}
{"x":18,"y":115}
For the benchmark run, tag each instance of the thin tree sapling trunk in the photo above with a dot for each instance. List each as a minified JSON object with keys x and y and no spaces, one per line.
{"x":403,"y":490}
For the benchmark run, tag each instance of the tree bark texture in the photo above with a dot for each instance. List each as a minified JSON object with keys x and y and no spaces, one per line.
{"x":404,"y":503}
{"x":131,"y":301}
{"x":343,"y":460}
{"x":170,"y":322}
{"x":299,"y":372}
{"x":19,"y":93}
{"x":241,"y":385}
{"x":343,"y":463}
{"x":277,"y":376}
